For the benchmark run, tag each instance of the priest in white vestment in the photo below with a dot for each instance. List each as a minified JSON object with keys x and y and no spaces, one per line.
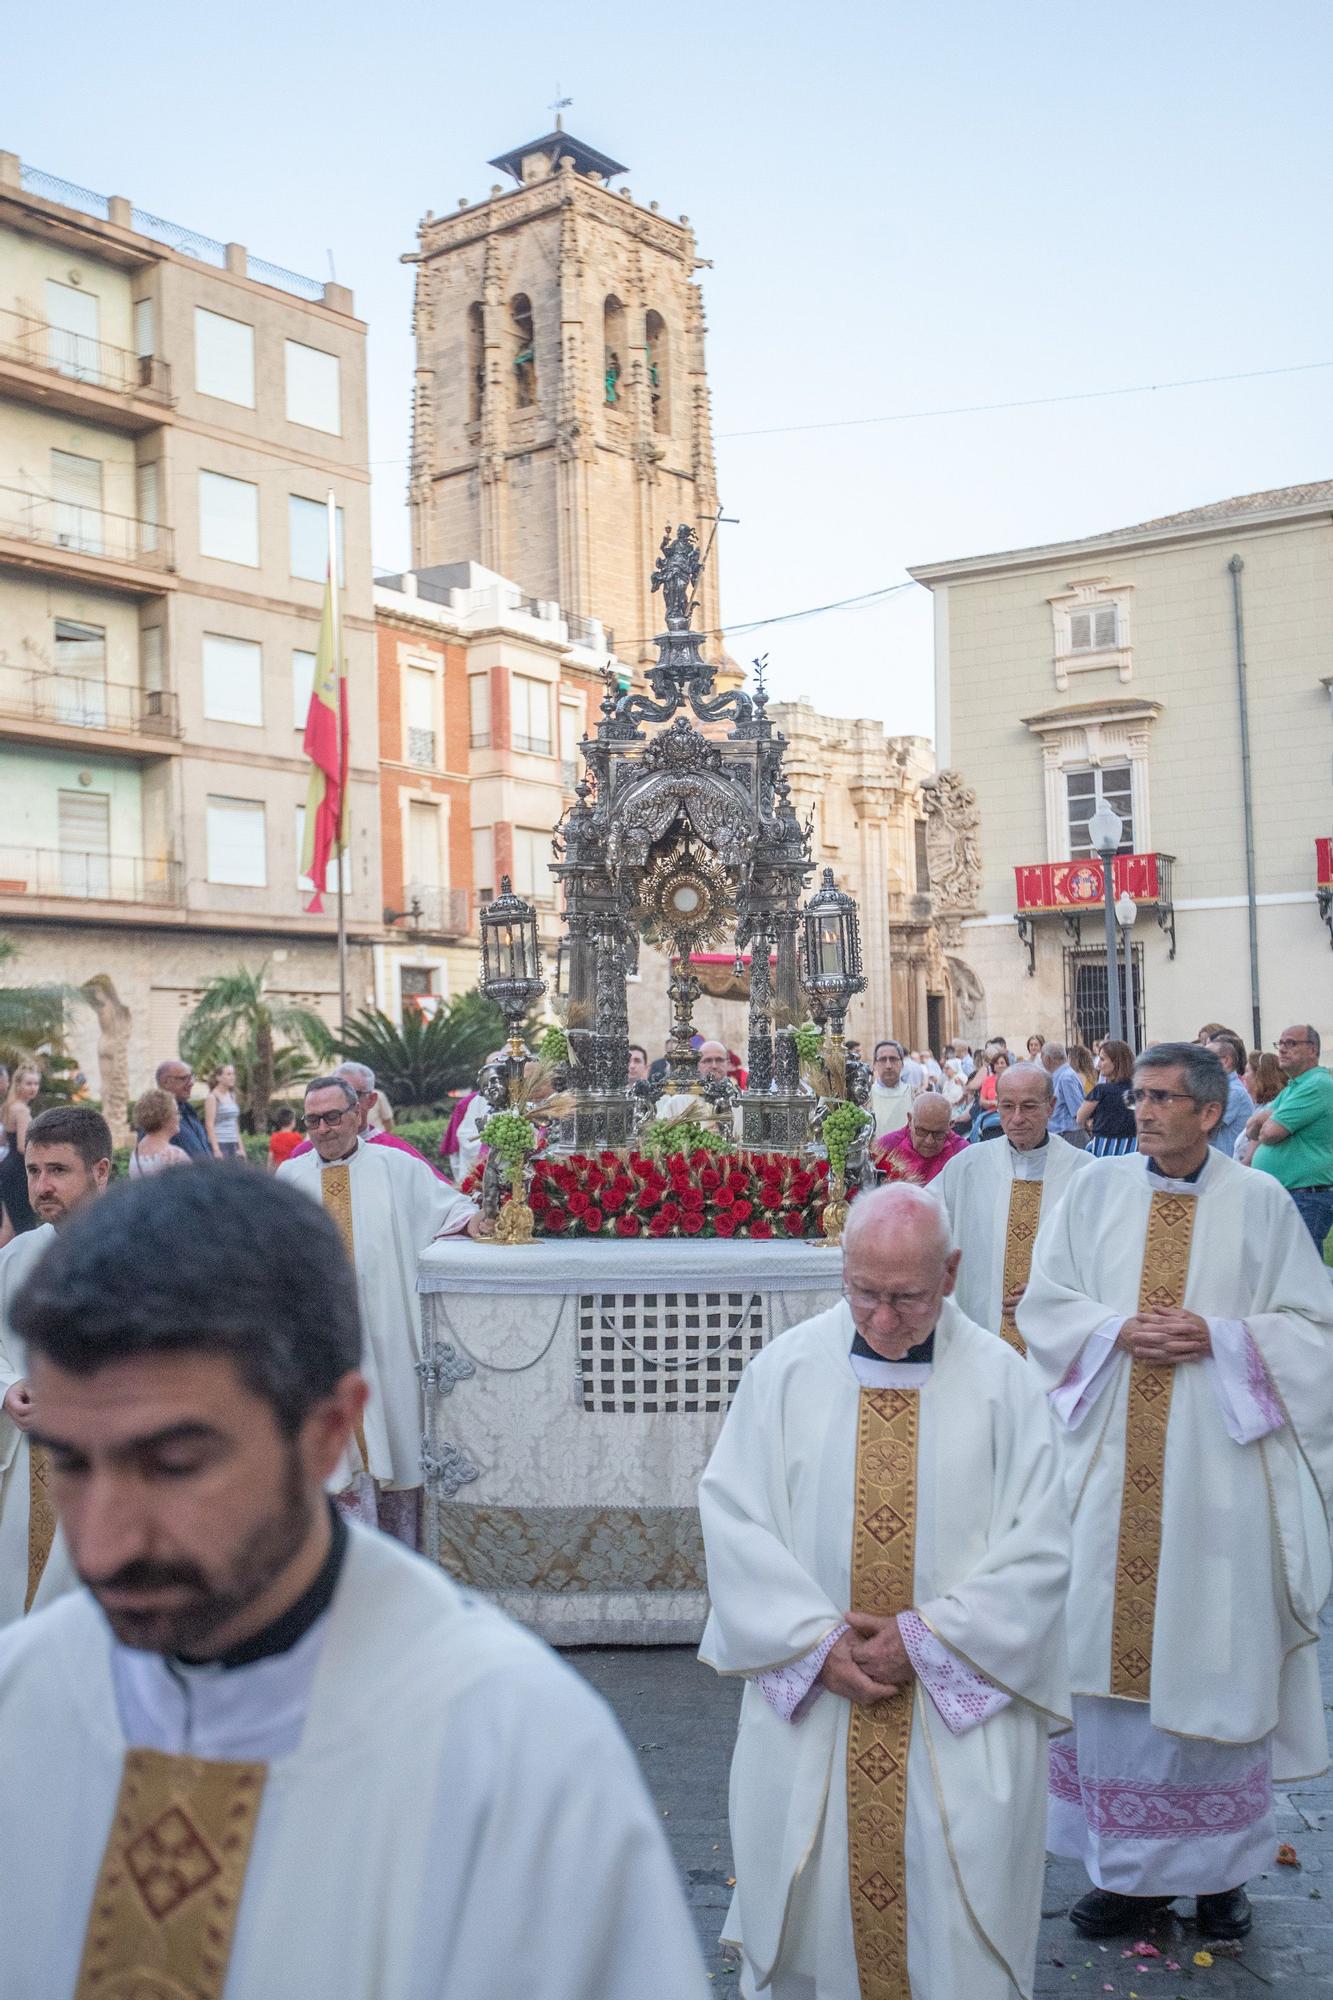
{"x":887,"y":1539}
{"x":997,"y":1196}
{"x":68,"y":1163}
{"x":388,"y":1206}
{"x":267,"y":1752}
{"x":1182,"y":1323}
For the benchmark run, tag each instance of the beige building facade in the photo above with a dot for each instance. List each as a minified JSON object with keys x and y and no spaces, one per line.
{"x":1112,"y":669}
{"x":173,"y":414}
{"x":561,"y":412}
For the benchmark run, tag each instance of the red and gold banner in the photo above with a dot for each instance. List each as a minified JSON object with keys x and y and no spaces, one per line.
{"x":1323,"y":851}
{"x":1077,"y":885}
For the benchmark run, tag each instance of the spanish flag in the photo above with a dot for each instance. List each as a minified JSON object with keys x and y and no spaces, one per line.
{"x":326,"y":747}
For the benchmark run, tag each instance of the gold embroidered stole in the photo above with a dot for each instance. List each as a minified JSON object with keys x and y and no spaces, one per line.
{"x":335,"y":1191}
{"x":164,"y":1911}
{"x":1020,"y":1235}
{"x":1166,"y":1261}
{"x":883,"y":1581}
{"x":41,"y":1519}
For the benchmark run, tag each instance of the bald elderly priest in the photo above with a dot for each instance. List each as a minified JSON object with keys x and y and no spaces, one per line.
{"x":996,"y":1197}
{"x":887,"y":1538}
{"x":68,"y":1162}
{"x":1182,"y":1321}
{"x":267,"y":1754}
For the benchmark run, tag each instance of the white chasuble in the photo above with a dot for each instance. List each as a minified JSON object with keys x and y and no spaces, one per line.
{"x":996,"y":1199}
{"x":453,"y":1814}
{"x":34,"y":1567}
{"x":947,"y":1498}
{"x":1201,"y":1562}
{"x":390,"y":1205}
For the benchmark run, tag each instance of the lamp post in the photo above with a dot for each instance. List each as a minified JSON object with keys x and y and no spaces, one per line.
{"x":1126,"y":916}
{"x":1104,"y":830}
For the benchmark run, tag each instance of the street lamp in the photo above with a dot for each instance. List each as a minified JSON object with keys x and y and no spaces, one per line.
{"x":1104,"y":830}
{"x":1126,"y":916}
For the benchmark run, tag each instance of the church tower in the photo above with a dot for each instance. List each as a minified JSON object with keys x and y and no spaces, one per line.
{"x":561,"y":412}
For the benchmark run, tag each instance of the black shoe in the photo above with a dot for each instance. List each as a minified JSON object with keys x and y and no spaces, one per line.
{"x":1101,"y":1913}
{"x":1226,"y":1915}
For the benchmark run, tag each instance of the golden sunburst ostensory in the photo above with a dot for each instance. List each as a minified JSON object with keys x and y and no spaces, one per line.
{"x":685,"y":901}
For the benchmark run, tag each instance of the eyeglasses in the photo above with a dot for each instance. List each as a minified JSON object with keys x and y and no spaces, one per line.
{"x":314,"y":1119}
{"x":1293,"y":1041}
{"x":1158,"y":1097}
{"x":898,"y":1302}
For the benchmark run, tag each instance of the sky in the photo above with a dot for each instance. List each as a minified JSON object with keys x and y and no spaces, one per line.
{"x":908,"y":209}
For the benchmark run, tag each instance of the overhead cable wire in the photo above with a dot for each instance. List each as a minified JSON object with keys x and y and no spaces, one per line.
{"x":1025,"y":402}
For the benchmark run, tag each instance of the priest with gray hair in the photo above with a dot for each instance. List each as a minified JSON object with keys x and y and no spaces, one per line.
{"x":887,"y":1539}
{"x":1181,"y":1321}
{"x":998,"y":1196}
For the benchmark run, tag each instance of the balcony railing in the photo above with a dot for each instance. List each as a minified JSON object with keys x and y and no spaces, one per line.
{"x":89,"y":531}
{"x":85,"y":703}
{"x":445,"y":912}
{"x":538,"y":746}
{"x":187,"y":241}
{"x":38,"y":344}
{"x":85,"y":877}
{"x":421,"y":748}
{"x":1073,"y":890}
{"x":569,"y":773}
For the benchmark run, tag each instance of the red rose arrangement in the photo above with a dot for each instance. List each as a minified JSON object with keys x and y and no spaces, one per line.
{"x":628,"y":1194}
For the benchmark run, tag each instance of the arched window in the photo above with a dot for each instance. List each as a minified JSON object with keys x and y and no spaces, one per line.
{"x":476,"y":362}
{"x":525,"y":366}
{"x":613,"y":349}
{"x":659,"y":369}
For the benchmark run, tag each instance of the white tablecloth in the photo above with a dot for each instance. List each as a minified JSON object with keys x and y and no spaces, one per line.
{"x":573,"y":1393}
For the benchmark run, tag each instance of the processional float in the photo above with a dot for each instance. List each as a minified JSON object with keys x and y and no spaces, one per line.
{"x":678,"y":840}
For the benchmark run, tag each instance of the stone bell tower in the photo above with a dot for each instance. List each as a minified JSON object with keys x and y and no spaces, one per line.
{"x":561,"y":412}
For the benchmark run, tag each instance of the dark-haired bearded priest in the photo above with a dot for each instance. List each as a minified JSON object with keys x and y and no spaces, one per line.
{"x":265,"y":1753}
{"x":1182,"y":1322}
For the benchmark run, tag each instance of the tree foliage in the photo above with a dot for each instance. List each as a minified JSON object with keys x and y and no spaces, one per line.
{"x":239,"y":1019}
{"x":419,"y":1064}
{"x":32,"y":1018}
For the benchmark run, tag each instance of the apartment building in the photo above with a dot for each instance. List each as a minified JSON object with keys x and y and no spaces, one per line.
{"x":173,"y":413}
{"x":1154,"y":669}
{"x":484,"y":696}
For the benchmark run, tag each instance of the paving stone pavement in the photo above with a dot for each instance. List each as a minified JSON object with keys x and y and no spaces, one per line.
{"x":681,"y":1720}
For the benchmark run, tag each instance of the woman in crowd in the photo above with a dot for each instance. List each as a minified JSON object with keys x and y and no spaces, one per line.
{"x":1263,"y":1080}
{"x":1105,"y":1114}
{"x":222,"y":1114}
{"x":157,"y":1121}
{"x":284,"y":1137}
{"x":15,"y":1117}
{"x":1036,"y":1043}
{"x":1081,"y":1062}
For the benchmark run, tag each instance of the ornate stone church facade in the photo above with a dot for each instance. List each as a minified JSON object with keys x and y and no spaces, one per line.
{"x":561,"y":414}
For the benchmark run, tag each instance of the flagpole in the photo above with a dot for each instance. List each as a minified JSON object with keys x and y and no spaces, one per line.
{"x":344,"y":816}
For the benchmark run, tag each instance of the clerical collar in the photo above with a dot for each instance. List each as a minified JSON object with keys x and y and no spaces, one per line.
{"x":1044,"y":1140}
{"x":918,"y":1356}
{"x":293,"y":1623}
{"x":1153,"y":1168}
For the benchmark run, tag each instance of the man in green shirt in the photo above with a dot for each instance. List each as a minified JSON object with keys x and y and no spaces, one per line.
{"x":1295,"y":1131}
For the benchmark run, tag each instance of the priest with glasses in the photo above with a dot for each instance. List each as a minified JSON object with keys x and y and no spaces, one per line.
{"x":388,"y":1205}
{"x":887,"y":1540}
{"x":1181,"y":1322}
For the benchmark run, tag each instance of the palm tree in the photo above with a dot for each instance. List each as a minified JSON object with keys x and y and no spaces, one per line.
{"x":421,"y":1062}
{"x":238,"y":1020}
{"x":32,"y":1018}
